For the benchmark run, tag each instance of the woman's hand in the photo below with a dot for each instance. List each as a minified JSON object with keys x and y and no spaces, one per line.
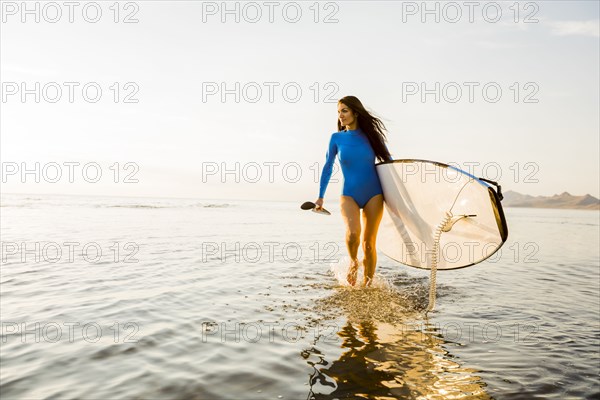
{"x":319,"y":203}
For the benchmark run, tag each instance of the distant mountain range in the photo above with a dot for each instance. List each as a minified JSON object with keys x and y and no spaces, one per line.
{"x":563,"y":200}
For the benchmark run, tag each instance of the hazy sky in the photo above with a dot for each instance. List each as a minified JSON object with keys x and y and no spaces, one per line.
{"x":534,"y":128}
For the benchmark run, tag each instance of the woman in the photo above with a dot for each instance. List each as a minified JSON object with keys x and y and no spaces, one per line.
{"x":359,"y":142}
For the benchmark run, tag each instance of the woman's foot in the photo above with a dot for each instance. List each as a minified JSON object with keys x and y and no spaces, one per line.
{"x":352,"y":272}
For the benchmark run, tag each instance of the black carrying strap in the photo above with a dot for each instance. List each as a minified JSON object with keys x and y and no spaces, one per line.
{"x":498,"y":187}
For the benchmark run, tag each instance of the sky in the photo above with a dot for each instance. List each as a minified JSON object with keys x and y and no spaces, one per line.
{"x":237,"y":100}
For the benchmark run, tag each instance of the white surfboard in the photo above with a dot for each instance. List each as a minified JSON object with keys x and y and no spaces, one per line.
{"x":438,"y":215}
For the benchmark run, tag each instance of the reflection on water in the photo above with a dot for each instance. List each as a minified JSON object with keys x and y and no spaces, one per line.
{"x":383,"y":360}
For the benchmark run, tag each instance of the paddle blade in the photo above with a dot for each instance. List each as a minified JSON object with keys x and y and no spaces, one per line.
{"x":308,"y":205}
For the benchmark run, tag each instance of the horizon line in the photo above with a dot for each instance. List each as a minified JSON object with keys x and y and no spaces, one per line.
{"x":230,"y":199}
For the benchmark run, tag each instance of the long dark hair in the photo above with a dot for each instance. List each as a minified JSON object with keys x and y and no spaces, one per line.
{"x":370,"y":125}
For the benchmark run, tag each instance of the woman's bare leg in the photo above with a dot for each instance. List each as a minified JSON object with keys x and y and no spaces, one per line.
{"x":372,"y":214}
{"x":351,"y":216}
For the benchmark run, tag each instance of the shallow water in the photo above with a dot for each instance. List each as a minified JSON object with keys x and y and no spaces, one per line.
{"x":202,"y":299}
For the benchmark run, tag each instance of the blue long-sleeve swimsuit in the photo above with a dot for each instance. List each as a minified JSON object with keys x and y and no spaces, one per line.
{"x":357,"y":160}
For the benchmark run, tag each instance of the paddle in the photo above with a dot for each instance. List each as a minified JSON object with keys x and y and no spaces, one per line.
{"x":309,"y":205}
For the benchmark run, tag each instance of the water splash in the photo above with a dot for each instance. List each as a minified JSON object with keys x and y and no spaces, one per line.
{"x":383,"y":301}
{"x":340,"y":269}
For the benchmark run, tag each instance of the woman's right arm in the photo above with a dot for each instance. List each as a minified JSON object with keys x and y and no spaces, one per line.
{"x":327,"y":169}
